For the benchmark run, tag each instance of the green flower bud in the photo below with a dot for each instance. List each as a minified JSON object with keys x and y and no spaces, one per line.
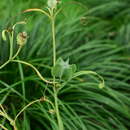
{"x":22,"y":38}
{"x":52,"y":3}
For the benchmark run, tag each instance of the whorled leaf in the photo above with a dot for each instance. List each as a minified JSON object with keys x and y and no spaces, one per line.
{"x":63,"y":69}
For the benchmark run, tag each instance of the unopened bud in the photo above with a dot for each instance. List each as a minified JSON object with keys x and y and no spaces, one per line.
{"x":22,"y":38}
{"x":52,"y":3}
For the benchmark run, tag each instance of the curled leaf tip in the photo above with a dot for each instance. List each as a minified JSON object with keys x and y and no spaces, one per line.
{"x":101,"y":85}
{"x":4,"y":35}
{"x":21,"y":22}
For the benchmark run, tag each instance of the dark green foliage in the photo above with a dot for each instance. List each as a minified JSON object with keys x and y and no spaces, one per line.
{"x":94,"y":35}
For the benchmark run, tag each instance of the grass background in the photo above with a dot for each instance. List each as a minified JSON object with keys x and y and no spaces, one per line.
{"x":94,"y":34}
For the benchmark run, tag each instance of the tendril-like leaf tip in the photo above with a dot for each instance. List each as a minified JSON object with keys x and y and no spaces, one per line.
{"x":4,"y":35}
{"x":21,"y":22}
{"x":101,"y":85}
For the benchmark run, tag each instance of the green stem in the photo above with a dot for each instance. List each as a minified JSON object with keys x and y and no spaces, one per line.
{"x":31,"y":103}
{"x":37,"y":10}
{"x":54,"y":41}
{"x":11,"y":45}
{"x":3,"y":127}
{"x":12,"y":58}
{"x":60,"y":123}
{"x":23,"y":89}
{"x":2,"y":66}
{"x":38,"y":100}
{"x":14,"y":122}
{"x":19,"y":49}
{"x":5,"y":115}
{"x":34,"y":68}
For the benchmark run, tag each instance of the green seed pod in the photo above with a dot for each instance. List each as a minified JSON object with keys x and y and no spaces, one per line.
{"x":52,"y":3}
{"x":22,"y":38}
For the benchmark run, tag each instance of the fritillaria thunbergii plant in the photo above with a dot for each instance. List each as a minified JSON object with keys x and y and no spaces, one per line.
{"x":61,"y":70}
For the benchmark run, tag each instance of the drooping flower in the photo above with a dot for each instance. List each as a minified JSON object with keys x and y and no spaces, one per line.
{"x":22,"y":38}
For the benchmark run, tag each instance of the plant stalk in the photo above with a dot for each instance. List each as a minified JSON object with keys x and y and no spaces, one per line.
{"x":60,"y":123}
{"x":11,"y":44}
{"x":12,"y":58}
